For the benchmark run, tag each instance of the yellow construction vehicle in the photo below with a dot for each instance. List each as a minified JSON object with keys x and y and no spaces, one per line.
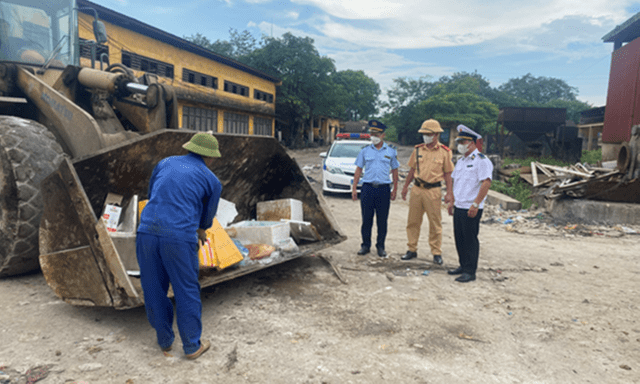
{"x":69,"y":135}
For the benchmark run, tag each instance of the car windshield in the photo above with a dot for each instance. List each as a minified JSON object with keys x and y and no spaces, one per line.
{"x":346,"y":149}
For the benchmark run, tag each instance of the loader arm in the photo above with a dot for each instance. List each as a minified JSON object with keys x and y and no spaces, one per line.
{"x":75,"y":129}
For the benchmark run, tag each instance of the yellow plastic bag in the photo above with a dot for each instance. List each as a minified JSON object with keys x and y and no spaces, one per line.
{"x":219,"y":251}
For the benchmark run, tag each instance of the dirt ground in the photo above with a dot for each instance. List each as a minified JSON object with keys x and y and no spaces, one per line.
{"x":548,"y":306}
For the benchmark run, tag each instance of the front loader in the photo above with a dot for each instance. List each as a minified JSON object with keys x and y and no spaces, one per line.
{"x":69,"y":135}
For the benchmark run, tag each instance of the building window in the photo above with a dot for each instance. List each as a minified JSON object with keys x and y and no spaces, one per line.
{"x":262,"y":126}
{"x":200,"y":119}
{"x":147,"y":64}
{"x":194,"y":77}
{"x":236,"y":88}
{"x":236,"y":123}
{"x":264,"y":96}
{"x":85,"y":50}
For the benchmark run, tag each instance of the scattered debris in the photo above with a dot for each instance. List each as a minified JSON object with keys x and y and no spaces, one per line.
{"x":335,"y":267}
{"x":539,"y":223}
{"x":573,"y":181}
{"x":37,"y":373}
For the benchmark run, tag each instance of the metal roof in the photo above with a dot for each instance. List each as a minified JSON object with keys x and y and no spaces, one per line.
{"x":625,"y":32}
{"x":134,"y":25}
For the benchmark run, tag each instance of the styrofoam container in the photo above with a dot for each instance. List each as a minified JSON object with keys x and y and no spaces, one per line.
{"x":261,"y":232}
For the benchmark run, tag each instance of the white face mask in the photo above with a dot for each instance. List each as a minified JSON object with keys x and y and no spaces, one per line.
{"x":427,"y":139}
{"x":375,"y":140}
{"x":462,"y":148}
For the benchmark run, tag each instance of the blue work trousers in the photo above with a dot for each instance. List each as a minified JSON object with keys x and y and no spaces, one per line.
{"x":162,"y":261}
{"x":374,"y":199}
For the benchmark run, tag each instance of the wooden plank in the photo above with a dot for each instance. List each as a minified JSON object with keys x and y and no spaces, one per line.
{"x":568,"y":171}
{"x":335,"y":267}
{"x":534,"y":174}
{"x":543,"y":169}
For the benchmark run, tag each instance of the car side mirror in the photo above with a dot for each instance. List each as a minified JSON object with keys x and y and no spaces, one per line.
{"x":323,"y":155}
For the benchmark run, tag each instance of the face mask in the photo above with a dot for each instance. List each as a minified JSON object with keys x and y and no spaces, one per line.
{"x":375,"y":140}
{"x":462,"y":148}
{"x":427,"y":139}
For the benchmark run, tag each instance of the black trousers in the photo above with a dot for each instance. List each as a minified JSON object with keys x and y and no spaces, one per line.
{"x":374,"y":199}
{"x":466,"y":231}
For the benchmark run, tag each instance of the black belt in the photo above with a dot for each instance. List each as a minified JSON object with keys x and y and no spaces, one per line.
{"x":423,"y":184}
{"x":378,"y":185}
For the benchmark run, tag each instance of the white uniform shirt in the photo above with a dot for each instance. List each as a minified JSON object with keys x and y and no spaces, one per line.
{"x":468,"y":175}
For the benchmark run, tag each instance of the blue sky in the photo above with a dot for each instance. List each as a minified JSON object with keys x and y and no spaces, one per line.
{"x":413,"y":38}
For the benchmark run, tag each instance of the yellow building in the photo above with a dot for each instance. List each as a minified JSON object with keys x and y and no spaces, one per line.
{"x":214,"y":92}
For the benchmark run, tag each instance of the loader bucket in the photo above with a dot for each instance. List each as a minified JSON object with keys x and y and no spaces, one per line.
{"x":86,"y":265}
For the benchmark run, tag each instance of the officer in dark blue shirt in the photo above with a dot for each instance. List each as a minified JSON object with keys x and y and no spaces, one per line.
{"x":183,"y":200}
{"x":377,"y":160}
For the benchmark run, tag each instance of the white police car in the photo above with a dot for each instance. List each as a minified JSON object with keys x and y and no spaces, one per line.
{"x":339,"y":163}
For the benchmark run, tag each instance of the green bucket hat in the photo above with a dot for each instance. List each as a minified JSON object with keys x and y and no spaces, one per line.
{"x":203,"y":144}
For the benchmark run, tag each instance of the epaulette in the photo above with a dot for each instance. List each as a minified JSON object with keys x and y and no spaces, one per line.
{"x":445,"y":147}
{"x":482,"y":156}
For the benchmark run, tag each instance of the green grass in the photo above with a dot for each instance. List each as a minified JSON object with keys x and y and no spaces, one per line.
{"x":591,"y":157}
{"x":527,"y":161}
{"x":516,"y":188}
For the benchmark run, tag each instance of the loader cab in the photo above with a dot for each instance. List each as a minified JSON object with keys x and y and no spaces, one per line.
{"x":36,"y":32}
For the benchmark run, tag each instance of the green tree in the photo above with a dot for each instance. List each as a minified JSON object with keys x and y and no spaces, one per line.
{"x":476,"y":112}
{"x":402,"y":98}
{"x":240,"y":44}
{"x":539,"y":90}
{"x":306,"y":89}
{"x":356,"y":95}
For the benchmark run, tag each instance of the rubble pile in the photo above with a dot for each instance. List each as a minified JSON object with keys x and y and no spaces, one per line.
{"x":575,"y":181}
{"x":539,"y":223}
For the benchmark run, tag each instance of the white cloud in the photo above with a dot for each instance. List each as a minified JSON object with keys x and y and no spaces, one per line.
{"x":428,"y":24}
{"x":293,"y":15}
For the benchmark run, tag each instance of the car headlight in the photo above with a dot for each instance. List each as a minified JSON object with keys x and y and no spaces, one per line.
{"x":334,"y":170}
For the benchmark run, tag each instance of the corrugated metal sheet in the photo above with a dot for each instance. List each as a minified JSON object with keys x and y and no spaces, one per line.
{"x":622,"y":100}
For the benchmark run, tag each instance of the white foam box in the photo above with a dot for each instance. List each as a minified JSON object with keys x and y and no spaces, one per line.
{"x":261,"y":232}
{"x":276,"y":210}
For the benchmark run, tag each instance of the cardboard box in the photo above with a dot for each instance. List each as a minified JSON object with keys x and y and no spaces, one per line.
{"x":276,"y":210}
{"x":112,"y":211}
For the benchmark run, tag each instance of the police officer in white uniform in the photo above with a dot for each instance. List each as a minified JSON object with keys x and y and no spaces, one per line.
{"x":471,"y":183}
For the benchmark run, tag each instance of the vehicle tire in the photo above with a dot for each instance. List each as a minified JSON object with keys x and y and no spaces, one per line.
{"x":28,"y":154}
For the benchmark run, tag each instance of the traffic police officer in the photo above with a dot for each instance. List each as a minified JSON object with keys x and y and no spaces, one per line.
{"x":430,"y":163}
{"x":378,"y":159}
{"x":471,"y":182}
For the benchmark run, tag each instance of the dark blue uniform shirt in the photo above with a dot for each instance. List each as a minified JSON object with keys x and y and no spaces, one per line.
{"x":183,"y":196}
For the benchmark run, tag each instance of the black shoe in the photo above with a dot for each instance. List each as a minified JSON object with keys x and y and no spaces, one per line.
{"x":409,"y":255}
{"x":457,"y":271}
{"x":363,"y":251}
{"x":437,"y":259}
{"x":465,"y":278}
{"x":382,"y":252}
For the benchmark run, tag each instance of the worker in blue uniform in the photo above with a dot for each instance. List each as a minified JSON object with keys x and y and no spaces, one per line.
{"x":183,"y":200}
{"x":377,"y":160}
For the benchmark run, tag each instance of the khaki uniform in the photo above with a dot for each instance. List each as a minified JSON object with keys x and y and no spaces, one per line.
{"x":429,"y":165}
